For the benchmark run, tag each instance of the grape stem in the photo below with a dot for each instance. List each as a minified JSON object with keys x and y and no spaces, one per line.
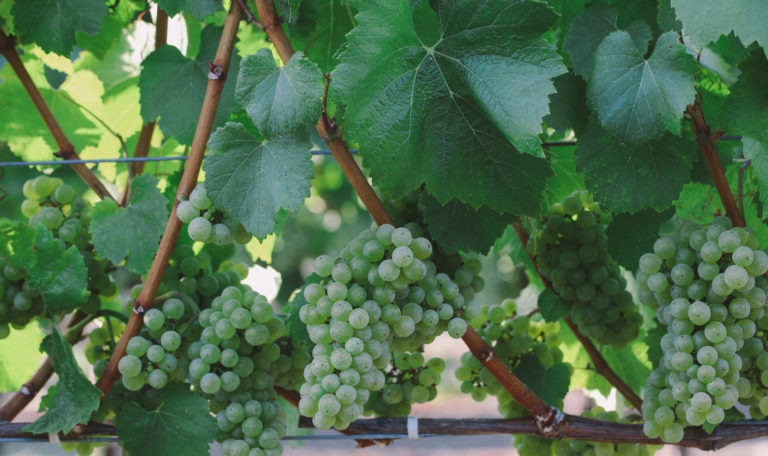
{"x":706,"y":140}
{"x":148,"y":129}
{"x":545,"y":414}
{"x":66,"y":148}
{"x":600,"y":364}
{"x":146,"y":298}
{"x":30,"y":389}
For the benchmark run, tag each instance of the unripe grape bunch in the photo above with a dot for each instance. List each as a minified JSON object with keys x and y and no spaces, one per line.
{"x":206,"y":222}
{"x":409,"y":380}
{"x":571,"y":251}
{"x":706,"y":286}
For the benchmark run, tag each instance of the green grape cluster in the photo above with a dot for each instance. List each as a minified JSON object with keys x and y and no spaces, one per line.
{"x":410,"y":380}
{"x":19,"y":301}
{"x":153,"y":356}
{"x":571,"y":251}
{"x":232,"y":364}
{"x":288,"y":369}
{"x":82,"y":448}
{"x":513,"y":338}
{"x":207,"y":223}
{"x":707,"y":288}
{"x":381,"y":295}
{"x":528,"y":445}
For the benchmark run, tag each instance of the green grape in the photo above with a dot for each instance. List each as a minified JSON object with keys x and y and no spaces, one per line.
{"x":200,"y":229}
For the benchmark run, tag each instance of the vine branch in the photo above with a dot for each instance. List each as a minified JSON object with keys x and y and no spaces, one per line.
{"x":148,"y":129}
{"x":546,"y":416}
{"x":600,"y":364}
{"x":66,"y":148}
{"x":706,"y":140}
{"x":188,"y":181}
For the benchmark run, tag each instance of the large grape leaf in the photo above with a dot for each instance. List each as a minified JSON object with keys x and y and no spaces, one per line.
{"x":638,"y":99}
{"x":642,"y":228}
{"x":551,"y":306}
{"x":456,"y":226}
{"x":182,"y":424}
{"x":60,"y":275}
{"x":173,"y":87}
{"x":628,"y":178}
{"x":442,"y":91}
{"x":76,"y":399}
{"x":745,"y":111}
{"x":133,"y":231}
{"x":197,"y":8}
{"x":705,"y":21}
{"x":99,"y":44}
{"x":53,"y":24}
{"x":279,"y":100}
{"x":19,"y":356}
{"x":253,"y":179}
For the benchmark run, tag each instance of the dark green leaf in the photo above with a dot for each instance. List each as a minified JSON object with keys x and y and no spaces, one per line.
{"x":76,"y":398}
{"x":321,"y":30}
{"x":182,"y":425}
{"x":456,"y":226}
{"x":446,"y":107}
{"x":60,"y":275}
{"x":653,"y":341}
{"x":550,"y":384}
{"x":112,"y":28}
{"x":705,"y":21}
{"x":627,"y":178}
{"x":54,"y":77}
{"x":629,"y":363}
{"x":747,"y":105}
{"x":279,"y":100}
{"x":296,"y":328}
{"x":568,"y":107}
{"x":140,"y":226}
{"x":197,"y":8}
{"x":631,"y":235}
{"x":586,"y":33}
{"x":638,"y":99}
{"x":551,"y":306}
{"x":52,"y":24}
{"x":251,"y":180}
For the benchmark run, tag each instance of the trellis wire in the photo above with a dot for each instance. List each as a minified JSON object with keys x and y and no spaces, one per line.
{"x":44,"y":438}
{"x":181,"y":158}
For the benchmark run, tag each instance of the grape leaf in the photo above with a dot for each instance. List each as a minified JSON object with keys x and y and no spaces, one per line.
{"x":321,"y":30}
{"x":638,"y":99}
{"x":566,"y":179}
{"x":60,"y":275}
{"x":568,"y":106}
{"x":551,"y":306}
{"x":76,"y":399}
{"x":441,"y":92}
{"x":642,"y":228}
{"x":53,"y":24}
{"x":296,"y":328}
{"x":252,"y":180}
{"x":197,"y":8}
{"x":279,"y":100}
{"x":456,"y":226}
{"x":140,"y":225}
{"x":173,"y":86}
{"x":550,"y":383}
{"x":665,"y":16}
{"x":54,"y":77}
{"x":705,"y":21}
{"x":109,"y":33}
{"x":629,"y":363}
{"x":19,"y":356}
{"x":653,"y":341}
{"x":585,"y":34}
{"x":758,"y":154}
{"x":747,"y":105}
{"x":628,"y":178}
{"x":183,"y":424}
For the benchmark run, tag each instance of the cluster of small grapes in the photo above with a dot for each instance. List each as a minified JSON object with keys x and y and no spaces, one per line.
{"x":101,"y":344}
{"x":387,"y":297}
{"x":410,"y":380}
{"x":571,"y":252}
{"x":707,"y":288}
{"x":153,"y":356}
{"x":207,"y":223}
{"x":55,"y":205}
{"x":288,"y":370}
{"x":513,"y":337}
{"x":528,"y":445}
{"x":231,"y":365}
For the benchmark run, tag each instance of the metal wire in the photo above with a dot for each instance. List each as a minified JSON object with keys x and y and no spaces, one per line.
{"x":44,"y":438}
{"x":122,"y":160}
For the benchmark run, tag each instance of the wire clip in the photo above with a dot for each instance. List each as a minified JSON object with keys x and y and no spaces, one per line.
{"x":413,"y":427}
